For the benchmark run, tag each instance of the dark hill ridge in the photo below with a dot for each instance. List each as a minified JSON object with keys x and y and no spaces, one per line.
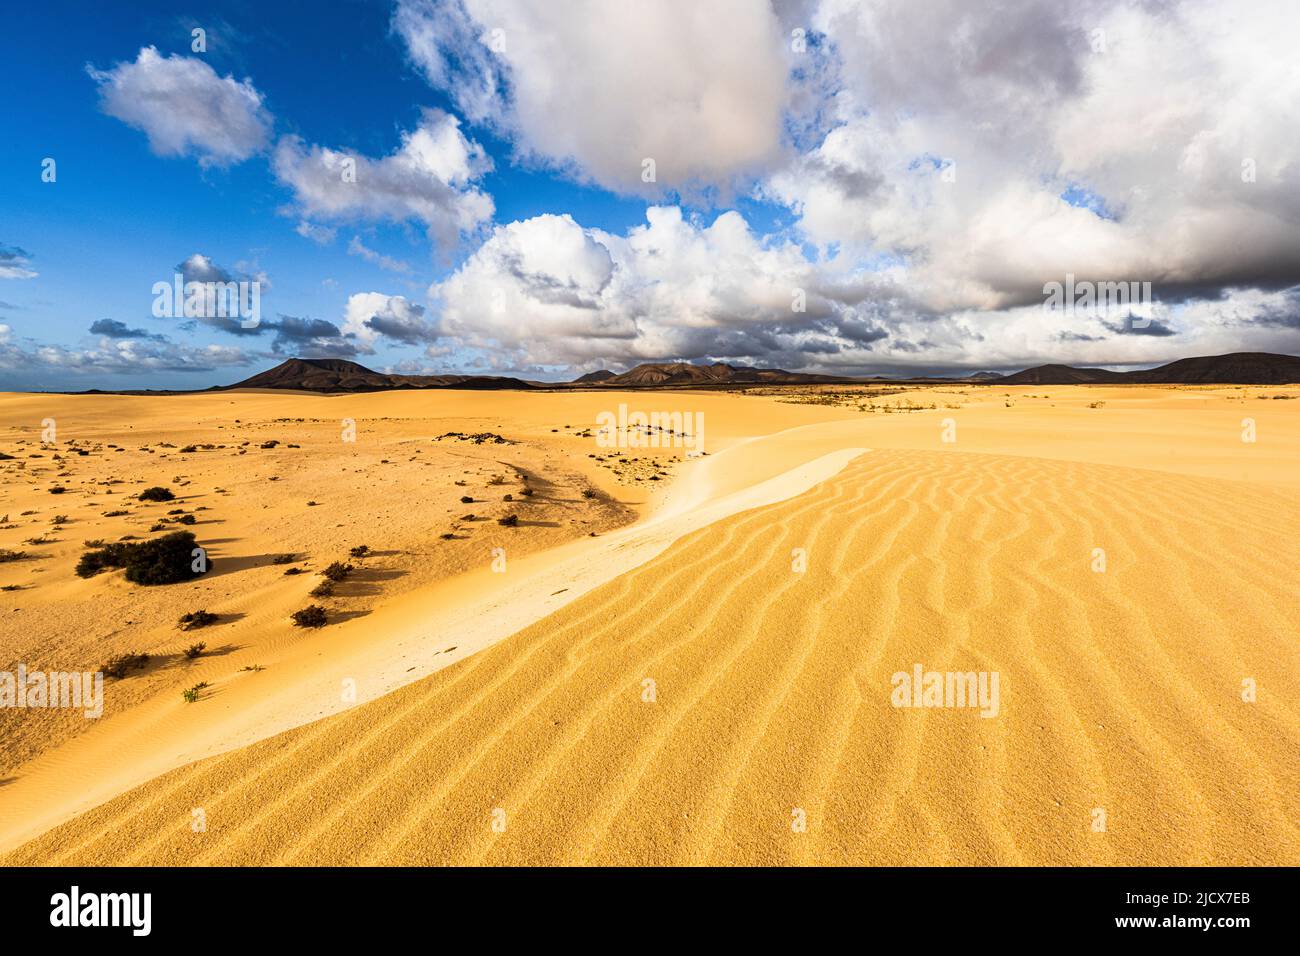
{"x":719,"y":373}
{"x":1236,"y":368}
{"x":1059,"y":375}
{"x":340,"y":375}
{"x":594,"y":378}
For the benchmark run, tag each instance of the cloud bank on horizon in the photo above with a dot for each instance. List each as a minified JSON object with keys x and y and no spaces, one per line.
{"x":825,"y":185}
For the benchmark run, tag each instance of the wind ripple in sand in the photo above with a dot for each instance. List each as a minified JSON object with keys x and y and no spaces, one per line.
{"x":1120,"y":691}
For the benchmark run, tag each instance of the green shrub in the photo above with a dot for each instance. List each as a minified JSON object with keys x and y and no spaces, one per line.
{"x":117,"y":667}
{"x":337,"y":571}
{"x":313,"y":615}
{"x":195,"y":619}
{"x":192,"y":694}
{"x":165,"y":560}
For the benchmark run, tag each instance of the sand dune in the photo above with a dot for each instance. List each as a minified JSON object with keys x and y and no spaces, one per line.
{"x":1121,"y":690}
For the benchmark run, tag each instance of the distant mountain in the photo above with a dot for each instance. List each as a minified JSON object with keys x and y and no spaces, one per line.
{"x":340,"y":375}
{"x":719,"y":373}
{"x":1236,"y":368}
{"x":593,"y":378}
{"x":1060,"y":375}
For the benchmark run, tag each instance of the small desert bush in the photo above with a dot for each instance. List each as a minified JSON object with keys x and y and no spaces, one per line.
{"x":156,"y":493}
{"x":195,"y":619}
{"x":337,"y":571}
{"x":115,"y":514}
{"x":293,"y":570}
{"x":8,"y":555}
{"x":117,"y":667}
{"x":58,"y":490}
{"x":165,"y":560}
{"x":191,"y":694}
{"x":510,"y":521}
{"x":194,"y":650}
{"x":323,"y":590}
{"x":283,"y":559}
{"x":360,"y":551}
{"x":313,"y":615}
{"x":187,"y":519}
{"x":466,"y":500}
{"x":588,"y":492}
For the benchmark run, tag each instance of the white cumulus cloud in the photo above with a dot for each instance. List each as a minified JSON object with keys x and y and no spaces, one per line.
{"x":185,"y":108}
{"x":430,"y":179}
{"x":600,"y":87}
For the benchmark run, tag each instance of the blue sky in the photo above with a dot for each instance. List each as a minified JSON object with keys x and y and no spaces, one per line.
{"x":118,"y":218}
{"x":784,"y":170}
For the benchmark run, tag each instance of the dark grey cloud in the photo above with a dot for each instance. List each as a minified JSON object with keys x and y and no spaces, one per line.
{"x":407,"y":327}
{"x":15,"y":262}
{"x":1283,"y":316}
{"x":1130,"y":327}
{"x":311,"y":338}
{"x":114,"y":329}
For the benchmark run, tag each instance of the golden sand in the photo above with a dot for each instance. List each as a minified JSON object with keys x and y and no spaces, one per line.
{"x":712,"y":682}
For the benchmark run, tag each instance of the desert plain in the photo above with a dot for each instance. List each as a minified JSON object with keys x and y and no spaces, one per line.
{"x":643,"y":656}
